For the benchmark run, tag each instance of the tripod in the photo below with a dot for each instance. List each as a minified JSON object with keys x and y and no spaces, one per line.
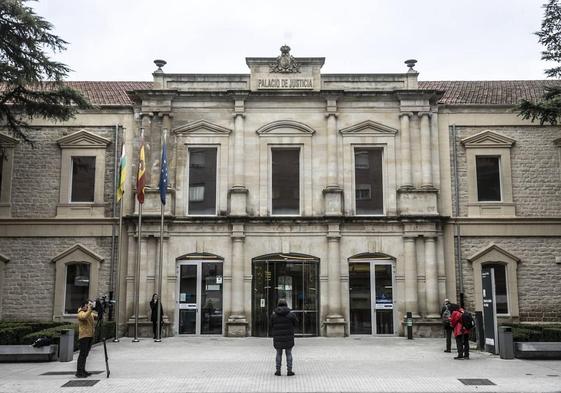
{"x":100,"y":308}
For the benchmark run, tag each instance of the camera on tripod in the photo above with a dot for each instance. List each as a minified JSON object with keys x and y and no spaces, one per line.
{"x":100,"y":305}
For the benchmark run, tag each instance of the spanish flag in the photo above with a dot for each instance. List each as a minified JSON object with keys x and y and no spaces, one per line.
{"x":122,"y":175}
{"x":140,"y":177}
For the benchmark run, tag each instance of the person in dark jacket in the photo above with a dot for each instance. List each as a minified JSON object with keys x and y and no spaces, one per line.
{"x":445,"y":314}
{"x":154,"y":304}
{"x":283,"y":322}
{"x":460,"y":332}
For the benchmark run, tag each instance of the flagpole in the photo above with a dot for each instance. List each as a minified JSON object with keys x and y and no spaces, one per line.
{"x":161,"y":261}
{"x":140,"y":198}
{"x":118,"y":274}
{"x":137,"y":275}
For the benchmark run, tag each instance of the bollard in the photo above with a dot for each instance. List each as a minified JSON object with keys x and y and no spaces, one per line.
{"x":409,"y":326}
{"x":66,"y":347}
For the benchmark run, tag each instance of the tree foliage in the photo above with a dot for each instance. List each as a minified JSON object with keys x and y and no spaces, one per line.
{"x":548,"y":109}
{"x":31,"y":83}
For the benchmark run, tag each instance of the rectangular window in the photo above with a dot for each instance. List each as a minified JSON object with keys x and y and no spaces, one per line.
{"x":77,"y":286}
{"x":369,"y":195}
{"x":285,"y":173}
{"x":202,"y":181}
{"x":83,"y":179}
{"x":488,"y":178}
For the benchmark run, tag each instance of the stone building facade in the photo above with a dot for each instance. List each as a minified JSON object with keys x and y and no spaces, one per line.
{"x":346,"y":194}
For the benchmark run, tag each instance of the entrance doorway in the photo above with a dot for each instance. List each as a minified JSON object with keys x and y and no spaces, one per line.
{"x":286,"y":276}
{"x":371,"y":302}
{"x":199,"y":297}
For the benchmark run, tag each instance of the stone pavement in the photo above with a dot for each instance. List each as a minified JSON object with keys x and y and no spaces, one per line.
{"x":219,"y":364}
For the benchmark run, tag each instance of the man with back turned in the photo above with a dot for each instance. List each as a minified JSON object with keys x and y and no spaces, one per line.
{"x":283,"y":322}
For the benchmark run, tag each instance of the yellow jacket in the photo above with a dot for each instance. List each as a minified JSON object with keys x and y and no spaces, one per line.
{"x":85,"y":323}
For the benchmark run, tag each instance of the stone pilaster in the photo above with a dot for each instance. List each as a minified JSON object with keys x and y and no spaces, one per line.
{"x":238,"y":193}
{"x":431,"y":274}
{"x":335,"y":322}
{"x":426,"y":163}
{"x":332,"y":193}
{"x":411,"y":303}
{"x":406,"y":177}
{"x":237,"y":322}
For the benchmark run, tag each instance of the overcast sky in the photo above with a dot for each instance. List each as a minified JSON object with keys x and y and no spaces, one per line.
{"x":451,"y":39}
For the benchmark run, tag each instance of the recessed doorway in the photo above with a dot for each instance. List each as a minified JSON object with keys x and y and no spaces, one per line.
{"x":199,"y":297}
{"x":371,"y":296}
{"x":292,"y":277}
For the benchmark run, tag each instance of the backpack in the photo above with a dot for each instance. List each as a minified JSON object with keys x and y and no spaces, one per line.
{"x":446,"y":316}
{"x":41,"y":342}
{"x":467,"y":320}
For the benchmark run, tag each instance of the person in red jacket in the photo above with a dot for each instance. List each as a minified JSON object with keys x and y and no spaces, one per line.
{"x":461,"y":333}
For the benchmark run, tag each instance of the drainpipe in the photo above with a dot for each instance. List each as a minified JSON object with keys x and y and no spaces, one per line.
{"x":113,"y":211}
{"x":457,"y":208}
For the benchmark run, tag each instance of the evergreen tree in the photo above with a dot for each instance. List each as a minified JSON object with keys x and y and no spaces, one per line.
{"x":548,"y":109}
{"x":31,"y":84}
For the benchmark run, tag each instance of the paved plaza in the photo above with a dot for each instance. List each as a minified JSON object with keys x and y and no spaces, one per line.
{"x":219,"y":364}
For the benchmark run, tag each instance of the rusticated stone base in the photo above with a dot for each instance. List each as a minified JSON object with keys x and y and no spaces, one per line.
{"x":424,"y":327}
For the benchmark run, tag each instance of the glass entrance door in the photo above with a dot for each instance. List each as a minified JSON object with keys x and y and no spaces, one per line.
{"x":371,"y":297}
{"x":297,"y":281}
{"x":200,"y":297}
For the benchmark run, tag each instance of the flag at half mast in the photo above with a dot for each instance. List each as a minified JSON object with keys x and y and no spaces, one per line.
{"x":140,"y":176}
{"x":122,"y":175}
{"x":163,"y":185}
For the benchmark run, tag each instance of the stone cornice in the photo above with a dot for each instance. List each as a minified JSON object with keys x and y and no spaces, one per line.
{"x":4,"y":259}
{"x":7,"y":141}
{"x":201,"y":127}
{"x":296,"y":127}
{"x":78,"y":249}
{"x":492,"y":247}
{"x":488,"y":138}
{"x":368,"y":127}
{"x":83,"y":139}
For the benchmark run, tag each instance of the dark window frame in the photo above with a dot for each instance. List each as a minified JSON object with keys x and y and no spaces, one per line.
{"x":85,"y":296}
{"x":489,"y":193}
{"x":72,"y":175}
{"x":275,"y":192}
{"x":504,"y":291}
{"x":210,"y":188}
{"x":380,"y":210}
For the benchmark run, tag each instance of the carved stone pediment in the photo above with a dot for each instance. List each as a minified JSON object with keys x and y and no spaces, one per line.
{"x":201,"y":127}
{"x":77,"y":253}
{"x":493,"y":253}
{"x":488,"y":138}
{"x":368,"y":127}
{"x":83,"y":140}
{"x":7,"y":141}
{"x":286,"y":127}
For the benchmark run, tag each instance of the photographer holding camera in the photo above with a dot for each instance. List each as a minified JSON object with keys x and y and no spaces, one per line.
{"x":86,"y":334}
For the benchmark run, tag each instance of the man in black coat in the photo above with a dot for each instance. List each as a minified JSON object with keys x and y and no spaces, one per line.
{"x":283,"y":322}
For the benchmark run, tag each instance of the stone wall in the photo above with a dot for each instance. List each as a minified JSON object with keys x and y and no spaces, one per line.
{"x":536,"y":169}
{"x":36,"y":176}
{"x":539,"y":292}
{"x":29,"y":276}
